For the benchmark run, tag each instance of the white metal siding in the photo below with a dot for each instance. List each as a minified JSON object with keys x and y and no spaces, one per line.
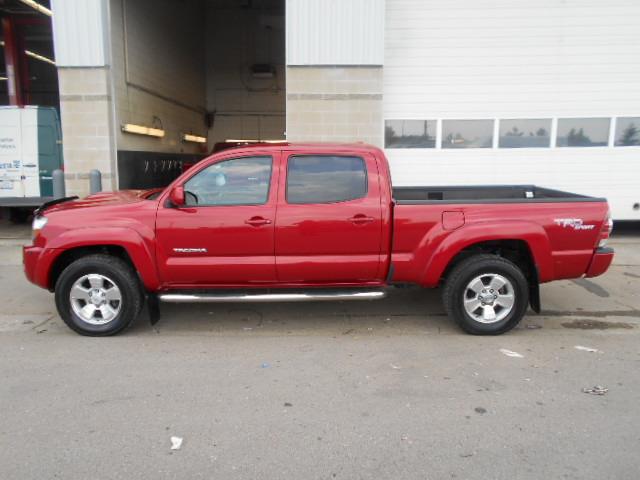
{"x":79,"y":28}
{"x":335,"y":32}
{"x":516,"y":59}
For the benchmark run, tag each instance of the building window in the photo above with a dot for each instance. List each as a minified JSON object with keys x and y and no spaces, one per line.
{"x":627,"y":131}
{"x":325,"y":179}
{"x":525,"y":133}
{"x":583,"y":132}
{"x":467,"y":133}
{"x":410,"y":134}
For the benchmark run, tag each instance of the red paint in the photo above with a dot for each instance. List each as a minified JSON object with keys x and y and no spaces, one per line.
{"x":600,"y":262}
{"x":284,"y":245}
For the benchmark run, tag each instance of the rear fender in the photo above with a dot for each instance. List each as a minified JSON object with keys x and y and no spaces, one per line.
{"x":137,"y":248}
{"x":437,"y":259}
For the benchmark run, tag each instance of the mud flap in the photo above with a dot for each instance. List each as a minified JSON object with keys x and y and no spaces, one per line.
{"x":153,"y":306}
{"x":534,"y":292}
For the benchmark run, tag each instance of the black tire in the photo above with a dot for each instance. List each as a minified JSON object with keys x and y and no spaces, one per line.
{"x":117,"y":271}
{"x":455,"y":291}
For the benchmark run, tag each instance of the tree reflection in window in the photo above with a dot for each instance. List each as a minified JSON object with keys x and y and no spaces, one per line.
{"x":525,"y":133}
{"x":410,"y":134}
{"x":583,"y":132}
{"x":627,"y":131}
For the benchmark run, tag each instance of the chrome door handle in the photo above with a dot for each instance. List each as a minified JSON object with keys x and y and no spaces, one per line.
{"x":361,"y":219}
{"x":257,"y":221}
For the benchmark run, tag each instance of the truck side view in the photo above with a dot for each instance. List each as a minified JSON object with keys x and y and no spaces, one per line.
{"x":295,"y":222}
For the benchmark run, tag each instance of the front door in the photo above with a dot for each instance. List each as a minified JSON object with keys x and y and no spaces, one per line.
{"x":329,"y":220}
{"x":225,"y":232}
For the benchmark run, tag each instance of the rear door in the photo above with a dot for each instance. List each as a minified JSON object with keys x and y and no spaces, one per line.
{"x":224,"y":235}
{"x":49,"y":148}
{"x":329,"y":219}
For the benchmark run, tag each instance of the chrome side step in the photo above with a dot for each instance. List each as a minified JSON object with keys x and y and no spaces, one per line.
{"x":310,"y":295}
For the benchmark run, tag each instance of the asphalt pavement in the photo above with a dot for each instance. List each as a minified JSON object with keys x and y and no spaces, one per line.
{"x":385,"y":389}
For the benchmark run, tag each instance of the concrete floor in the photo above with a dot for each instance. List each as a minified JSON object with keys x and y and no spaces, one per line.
{"x":387,"y":389}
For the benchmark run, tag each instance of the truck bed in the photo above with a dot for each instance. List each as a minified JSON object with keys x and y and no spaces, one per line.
{"x":485,"y":194}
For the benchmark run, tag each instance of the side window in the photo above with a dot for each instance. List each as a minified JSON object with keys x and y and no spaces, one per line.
{"x":627,"y":131}
{"x":240,"y":181}
{"x":467,"y":133}
{"x":525,"y":133}
{"x":410,"y":133}
{"x":583,"y":132}
{"x":325,"y":179}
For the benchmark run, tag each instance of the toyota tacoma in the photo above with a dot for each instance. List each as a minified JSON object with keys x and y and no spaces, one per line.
{"x":296,"y":222}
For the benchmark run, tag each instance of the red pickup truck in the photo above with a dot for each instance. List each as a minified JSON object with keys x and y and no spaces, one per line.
{"x":296,"y":222}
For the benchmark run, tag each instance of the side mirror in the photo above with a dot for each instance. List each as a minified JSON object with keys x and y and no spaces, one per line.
{"x":177,"y":196}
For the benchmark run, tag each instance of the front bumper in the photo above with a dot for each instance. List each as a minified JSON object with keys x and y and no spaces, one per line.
{"x":600,"y":262}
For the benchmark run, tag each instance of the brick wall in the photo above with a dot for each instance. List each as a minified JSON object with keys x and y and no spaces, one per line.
{"x":87,"y":127}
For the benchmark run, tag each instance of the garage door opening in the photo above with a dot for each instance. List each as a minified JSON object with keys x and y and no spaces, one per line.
{"x":197,"y":72}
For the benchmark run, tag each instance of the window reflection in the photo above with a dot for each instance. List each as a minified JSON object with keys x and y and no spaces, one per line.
{"x":627,"y":131}
{"x":583,"y":132}
{"x":241,"y":181}
{"x":525,"y":133}
{"x":410,"y":134}
{"x":325,"y":179}
{"x":467,"y":133}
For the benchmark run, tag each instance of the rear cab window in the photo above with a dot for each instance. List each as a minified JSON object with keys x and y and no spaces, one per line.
{"x":325,"y":179}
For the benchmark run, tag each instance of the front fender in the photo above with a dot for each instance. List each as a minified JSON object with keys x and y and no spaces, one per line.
{"x":140,"y":251}
{"x":436,"y":258}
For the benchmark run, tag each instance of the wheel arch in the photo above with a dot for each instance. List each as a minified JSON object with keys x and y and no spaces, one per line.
{"x":524,"y":243}
{"x":69,"y":256}
{"x":122,"y":243}
{"x":516,"y":251}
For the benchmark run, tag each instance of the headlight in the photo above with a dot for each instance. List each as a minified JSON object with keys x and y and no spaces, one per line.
{"x":38,"y":224}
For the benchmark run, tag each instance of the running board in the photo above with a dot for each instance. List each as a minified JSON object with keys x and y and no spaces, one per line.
{"x":299,"y":296}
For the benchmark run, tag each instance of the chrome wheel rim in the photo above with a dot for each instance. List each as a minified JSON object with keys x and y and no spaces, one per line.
{"x":489,"y":298}
{"x":96,"y":299}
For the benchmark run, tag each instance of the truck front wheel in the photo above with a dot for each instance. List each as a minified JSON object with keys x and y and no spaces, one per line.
{"x":98,"y":295}
{"x":486,"y":295}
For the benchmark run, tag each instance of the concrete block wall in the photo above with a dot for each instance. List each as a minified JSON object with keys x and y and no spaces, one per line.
{"x":335,"y":103}
{"x":159,"y":71}
{"x":87,"y":127}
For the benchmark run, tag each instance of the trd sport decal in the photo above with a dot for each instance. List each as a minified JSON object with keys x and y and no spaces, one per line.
{"x":575,"y":223}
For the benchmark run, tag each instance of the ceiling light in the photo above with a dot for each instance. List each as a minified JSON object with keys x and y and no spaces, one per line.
{"x":36,"y":6}
{"x":35,"y":55}
{"x":235,"y":140}
{"x":142,"y":130}
{"x":39,"y":57}
{"x":189,"y":137}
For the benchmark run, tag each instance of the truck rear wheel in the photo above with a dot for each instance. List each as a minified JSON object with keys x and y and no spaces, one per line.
{"x":98,"y":295}
{"x":486,"y":295}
